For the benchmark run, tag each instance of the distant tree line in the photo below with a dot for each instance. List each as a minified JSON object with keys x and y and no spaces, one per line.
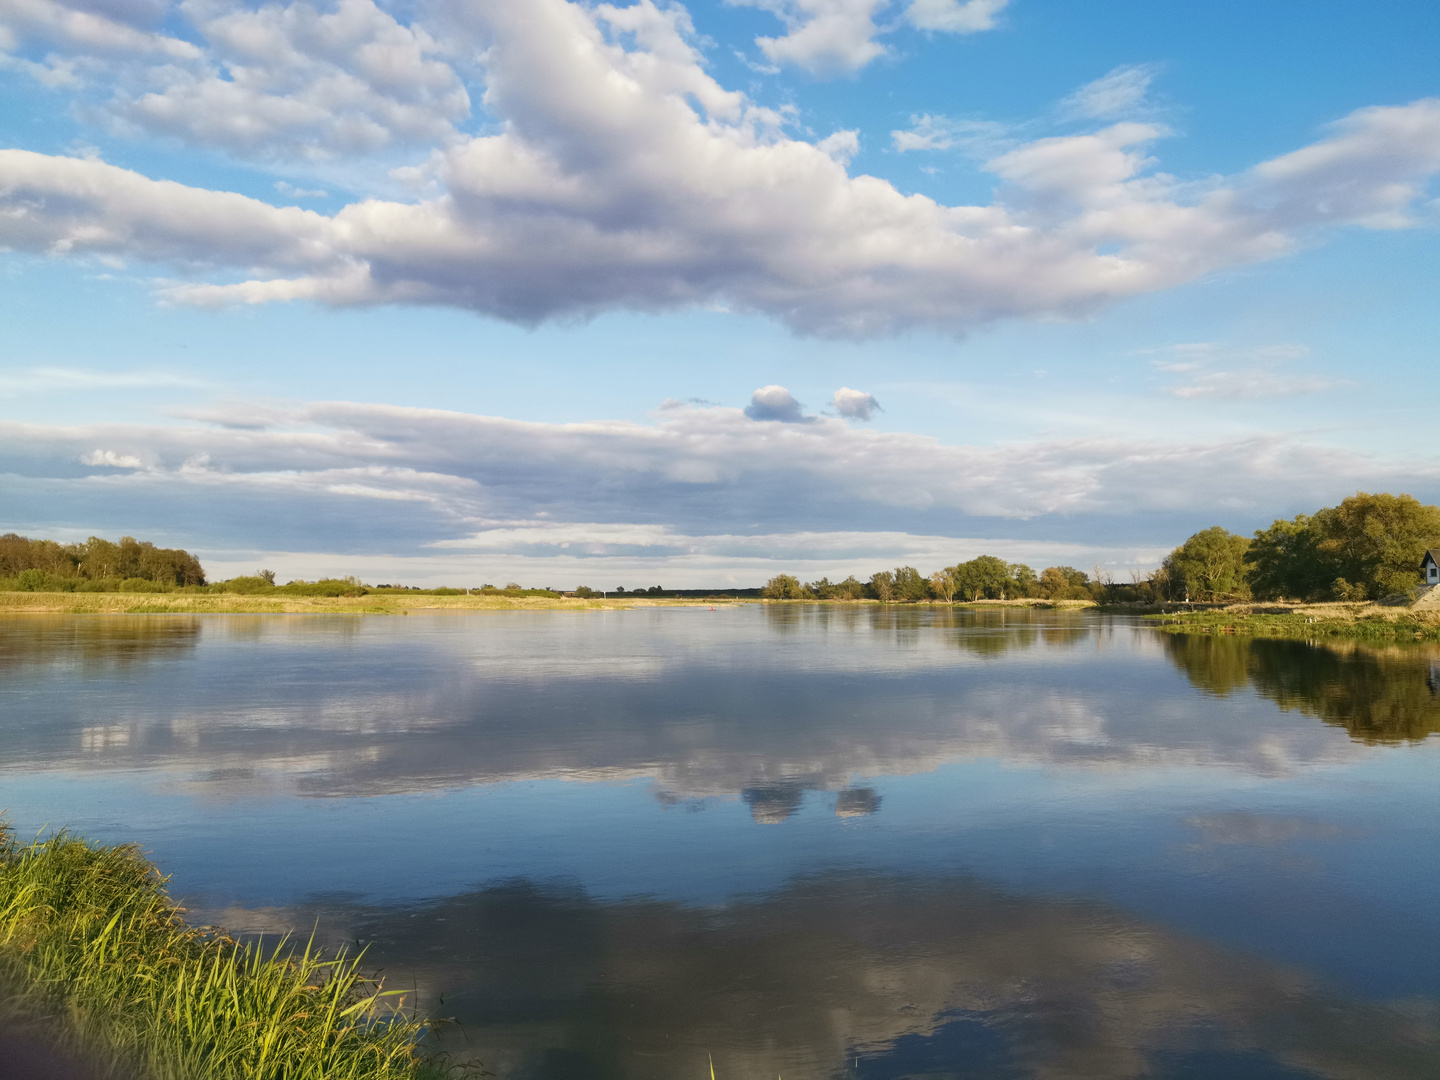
{"x":983,"y":578}
{"x":95,"y":565}
{"x":1367,"y":548}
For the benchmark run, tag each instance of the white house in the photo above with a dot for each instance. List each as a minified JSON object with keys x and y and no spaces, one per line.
{"x":1430,"y":566}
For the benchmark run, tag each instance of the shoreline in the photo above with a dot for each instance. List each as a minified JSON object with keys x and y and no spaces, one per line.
{"x":373,"y":604}
{"x":1357,"y":621}
{"x":67,"y":603}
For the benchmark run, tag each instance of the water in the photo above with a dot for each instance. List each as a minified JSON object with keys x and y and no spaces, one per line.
{"x":811,"y":842}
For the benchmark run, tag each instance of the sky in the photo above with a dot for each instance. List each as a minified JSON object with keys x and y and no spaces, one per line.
{"x":474,"y":291}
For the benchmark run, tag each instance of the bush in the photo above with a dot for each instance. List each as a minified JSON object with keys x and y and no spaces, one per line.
{"x":43,"y":581}
{"x":248,"y":585}
{"x":143,"y":585}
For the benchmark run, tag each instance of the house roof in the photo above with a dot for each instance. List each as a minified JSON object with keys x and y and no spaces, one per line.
{"x":1433,"y":555}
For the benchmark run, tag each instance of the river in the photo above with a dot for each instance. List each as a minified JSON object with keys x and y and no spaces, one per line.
{"x":806,"y":842}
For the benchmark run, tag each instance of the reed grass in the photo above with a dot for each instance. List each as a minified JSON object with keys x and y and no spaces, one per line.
{"x":96,"y":955}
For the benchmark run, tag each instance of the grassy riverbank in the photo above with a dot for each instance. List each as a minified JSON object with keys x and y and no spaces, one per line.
{"x":96,"y":962}
{"x":397,"y":603}
{"x":1366,"y":622}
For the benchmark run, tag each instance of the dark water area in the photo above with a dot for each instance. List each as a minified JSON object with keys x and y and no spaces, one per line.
{"x":808,"y":842}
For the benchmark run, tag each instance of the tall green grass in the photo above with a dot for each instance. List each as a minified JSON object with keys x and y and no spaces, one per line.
{"x":95,"y":954}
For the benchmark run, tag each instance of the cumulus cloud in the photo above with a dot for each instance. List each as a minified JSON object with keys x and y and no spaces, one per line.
{"x":855,"y":404}
{"x":823,"y":36}
{"x":107,"y":29}
{"x":287,"y":83}
{"x":829,"y":37}
{"x":624,"y":176}
{"x":775,"y":403}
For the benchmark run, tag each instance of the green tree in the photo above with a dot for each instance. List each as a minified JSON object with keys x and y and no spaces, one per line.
{"x":882,"y":586}
{"x":783,"y":587}
{"x":822,"y":588}
{"x":1211,"y":565}
{"x":910,"y":587}
{"x":1285,"y":562}
{"x":983,"y":577}
{"x":1064,"y":583}
{"x":1374,"y":543}
{"x":852,"y":588}
{"x":942,"y":586}
{"x":1026,"y":583}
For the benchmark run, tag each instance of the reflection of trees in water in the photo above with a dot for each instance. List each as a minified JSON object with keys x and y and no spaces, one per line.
{"x":1378,"y":695}
{"x":95,"y":642}
{"x":846,"y":969}
{"x":983,"y":631}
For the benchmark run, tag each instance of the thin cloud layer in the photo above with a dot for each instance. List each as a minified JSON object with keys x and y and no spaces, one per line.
{"x":622,"y":175}
{"x":711,"y":489}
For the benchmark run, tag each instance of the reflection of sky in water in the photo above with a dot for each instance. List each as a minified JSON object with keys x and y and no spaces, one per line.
{"x":1269,"y":798}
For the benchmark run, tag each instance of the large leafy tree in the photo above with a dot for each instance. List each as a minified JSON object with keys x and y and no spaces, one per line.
{"x":1374,"y":543}
{"x":910,"y":586}
{"x":1064,"y":583}
{"x":1368,"y":547}
{"x":1211,"y":565}
{"x":783,"y":587}
{"x":1285,"y":562}
{"x":983,"y":577}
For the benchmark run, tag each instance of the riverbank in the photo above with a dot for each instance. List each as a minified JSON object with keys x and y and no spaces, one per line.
{"x":99,"y":971}
{"x":372,"y":604}
{"x":1362,"y":621}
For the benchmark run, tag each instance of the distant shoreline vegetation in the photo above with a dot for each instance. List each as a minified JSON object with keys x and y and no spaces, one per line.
{"x":984,"y":578}
{"x":1368,"y":548}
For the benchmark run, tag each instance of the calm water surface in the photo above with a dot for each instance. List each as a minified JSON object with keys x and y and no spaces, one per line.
{"x":810,"y":842}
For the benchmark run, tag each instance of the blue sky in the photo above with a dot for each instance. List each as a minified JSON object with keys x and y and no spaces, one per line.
{"x":454,"y":290}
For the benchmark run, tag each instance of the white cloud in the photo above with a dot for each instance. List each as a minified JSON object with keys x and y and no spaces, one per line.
{"x":286,"y":188}
{"x":841,"y":146}
{"x":281,"y":83}
{"x":114,"y":30}
{"x":829,"y":37}
{"x":775,"y":403}
{"x":955,"y":16}
{"x":823,"y":36}
{"x":855,"y":404}
{"x":624,"y":176}
{"x":110,"y":459}
{"x":928,"y":132}
{"x":1118,"y":93}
